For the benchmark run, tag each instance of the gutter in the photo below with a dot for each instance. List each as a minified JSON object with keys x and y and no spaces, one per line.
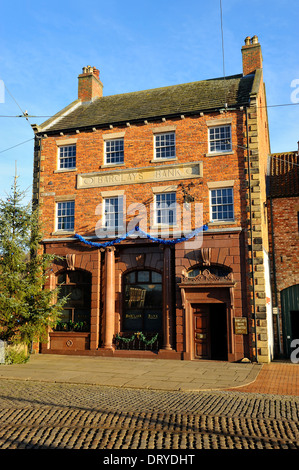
{"x":251,"y":236}
{"x":48,"y":131}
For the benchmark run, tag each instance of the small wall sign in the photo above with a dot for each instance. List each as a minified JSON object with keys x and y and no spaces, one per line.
{"x":240,"y":326}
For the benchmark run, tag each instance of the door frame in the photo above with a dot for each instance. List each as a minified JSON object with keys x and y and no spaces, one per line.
{"x":207,"y":309}
{"x":208,"y":294}
{"x":289,"y":302}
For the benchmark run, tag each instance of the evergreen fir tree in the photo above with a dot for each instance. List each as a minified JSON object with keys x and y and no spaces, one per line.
{"x":27,"y":309}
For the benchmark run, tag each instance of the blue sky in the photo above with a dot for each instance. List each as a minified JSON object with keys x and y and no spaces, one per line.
{"x":136,"y":45}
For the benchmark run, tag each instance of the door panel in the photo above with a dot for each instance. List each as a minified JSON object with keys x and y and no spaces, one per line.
{"x":202,"y":343}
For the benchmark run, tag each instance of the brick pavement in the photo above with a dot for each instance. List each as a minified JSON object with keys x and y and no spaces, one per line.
{"x":281,"y":378}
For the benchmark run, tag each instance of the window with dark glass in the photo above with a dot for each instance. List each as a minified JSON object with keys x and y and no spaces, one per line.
{"x":220,"y":139}
{"x":77,"y":286}
{"x":67,"y":157}
{"x":222,"y":204}
{"x":65,"y":215}
{"x":114,"y":151}
{"x":142,"y":301}
{"x":165,"y":145}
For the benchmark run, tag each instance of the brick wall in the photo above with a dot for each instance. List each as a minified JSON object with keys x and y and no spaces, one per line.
{"x":286,"y":239}
{"x":285,"y":249}
{"x":191,"y":145}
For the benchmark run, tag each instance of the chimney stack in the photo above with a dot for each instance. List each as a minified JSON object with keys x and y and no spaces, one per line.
{"x":251,"y":55}
{"x":90,"y":86}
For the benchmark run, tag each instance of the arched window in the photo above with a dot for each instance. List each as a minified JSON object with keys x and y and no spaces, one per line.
{"x":76,"y":313}
{"x":142,"y":301}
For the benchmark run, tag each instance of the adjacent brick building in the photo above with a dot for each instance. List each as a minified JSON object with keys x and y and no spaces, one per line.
{"x":172,"y":150}
{"x":283,"y":212}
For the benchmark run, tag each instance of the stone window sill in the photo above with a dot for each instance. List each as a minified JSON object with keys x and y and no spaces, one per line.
{"x":218,"y":154}
{"x":63,"y":232}
{"x":65,"y":170}
{"x":112,"y":165}
{"x":163,"y":160}
{"x":222,"y":222}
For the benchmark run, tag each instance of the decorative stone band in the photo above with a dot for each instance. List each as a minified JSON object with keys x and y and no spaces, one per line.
{"x":140,"y":175}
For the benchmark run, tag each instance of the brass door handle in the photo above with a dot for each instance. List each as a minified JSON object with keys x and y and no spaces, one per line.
{"x":201,"y":336}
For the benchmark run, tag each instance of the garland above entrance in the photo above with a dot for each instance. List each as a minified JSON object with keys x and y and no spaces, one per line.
{"x":153,"y":239}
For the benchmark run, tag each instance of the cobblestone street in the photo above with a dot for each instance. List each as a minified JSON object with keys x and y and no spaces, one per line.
{"x":37,"y":415}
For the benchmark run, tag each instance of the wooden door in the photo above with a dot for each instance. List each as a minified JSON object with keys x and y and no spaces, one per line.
{"x":202,"y":341}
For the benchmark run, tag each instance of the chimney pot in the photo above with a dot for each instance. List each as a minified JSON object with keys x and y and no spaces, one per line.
{"x":251,"y":55}
{"x":89,"y":85}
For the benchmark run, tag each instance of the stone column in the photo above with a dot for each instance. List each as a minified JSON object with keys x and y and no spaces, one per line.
{"x":109,"y":296}
{"x":167,"y":298}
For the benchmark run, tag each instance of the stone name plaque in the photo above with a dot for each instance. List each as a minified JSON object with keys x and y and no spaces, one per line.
{"x":140,"y":175}
{"x":240,"y":326}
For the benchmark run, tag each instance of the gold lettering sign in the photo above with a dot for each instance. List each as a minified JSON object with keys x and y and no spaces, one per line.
{"x":133,"y":316}
{"x":140,"y":175}
{"x":240,"y":326}
{"x":152,"y":316}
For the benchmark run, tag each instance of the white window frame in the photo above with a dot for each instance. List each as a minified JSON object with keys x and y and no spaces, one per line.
{"x":165,"y":146}
{"x":114,"y":152}
{"x":221,"y":188}
{"x":120,"y":225}
{"x":58,"y":217}
{"x":220,"y":140}
{"x":166,"y":209}
{"x":63,"y":158}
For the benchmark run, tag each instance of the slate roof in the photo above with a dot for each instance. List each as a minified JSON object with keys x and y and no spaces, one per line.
{"x":167,"y":101}
{"x":284,"y":174}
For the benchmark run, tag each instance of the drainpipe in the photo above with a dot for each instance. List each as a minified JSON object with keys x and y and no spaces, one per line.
{"x":251,"y":235}
{"x":274,"y":276}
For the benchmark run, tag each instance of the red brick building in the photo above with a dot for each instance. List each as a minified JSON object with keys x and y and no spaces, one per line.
{"x":283,"y":205}
{"x":171,"y":150}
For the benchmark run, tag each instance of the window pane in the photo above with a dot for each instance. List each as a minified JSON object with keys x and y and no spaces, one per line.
{"x":81,"y":316}
{"x":165,"y":208}
{"x":143,"y":276}
{"x":165,"y":145}
{"x":222,"y":204}
{"x":65,"y":215}
{"x":130,"y":278}
{"x":114,"y":151}
{"x":65,"y":316}
{"x":67,"y":156}
{"x":152,"y":320}
{"x":113,"y":212}
{"x":220,"y":139}
{"x":143,"y":302}
{"x":156,"y":277}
